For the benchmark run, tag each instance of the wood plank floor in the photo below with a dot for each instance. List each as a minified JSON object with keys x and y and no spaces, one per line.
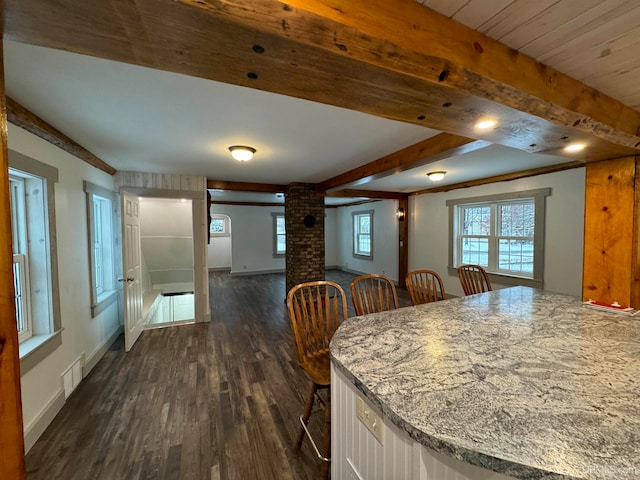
{"x":205,"y":401}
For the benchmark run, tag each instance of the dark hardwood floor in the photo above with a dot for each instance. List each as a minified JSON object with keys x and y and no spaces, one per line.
{"x":205,"y":401}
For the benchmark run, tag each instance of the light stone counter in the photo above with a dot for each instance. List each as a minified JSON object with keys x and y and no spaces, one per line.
{"x":519,"y":381}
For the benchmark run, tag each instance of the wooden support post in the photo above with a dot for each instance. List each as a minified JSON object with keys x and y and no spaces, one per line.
{"x":11,"y":436}
{"x":610,"y":266}
{"x":403,"y":242}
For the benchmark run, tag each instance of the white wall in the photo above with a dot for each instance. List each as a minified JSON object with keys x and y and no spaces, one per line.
{"x":429,"y":229}
{"x":251,"y":238}
{"x":385,"y":239}
{"x":81,"y":335}
{"x":166,"y":234}
{"x":331,"y":235}
{"x":220,"y":249}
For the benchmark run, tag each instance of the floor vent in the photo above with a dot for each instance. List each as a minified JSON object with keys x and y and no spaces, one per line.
{"x":72,"y":376}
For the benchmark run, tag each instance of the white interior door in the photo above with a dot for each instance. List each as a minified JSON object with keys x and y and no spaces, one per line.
{"x":133,"y":321}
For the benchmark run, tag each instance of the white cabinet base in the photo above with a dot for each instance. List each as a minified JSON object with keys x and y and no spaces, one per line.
{"x":356,"y":454}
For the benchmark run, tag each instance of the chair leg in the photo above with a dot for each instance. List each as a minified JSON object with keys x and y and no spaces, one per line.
{"x":305,"y":416}
{"x":326,"y":440}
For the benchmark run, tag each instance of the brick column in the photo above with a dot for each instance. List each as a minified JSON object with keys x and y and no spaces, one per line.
{"x":304,"y":221}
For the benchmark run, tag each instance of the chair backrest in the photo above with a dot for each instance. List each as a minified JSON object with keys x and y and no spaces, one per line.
{"x":373,"y":293}
{"x":474,"y":279}
{"x":316,"y":310}
{"x":425,"y":286}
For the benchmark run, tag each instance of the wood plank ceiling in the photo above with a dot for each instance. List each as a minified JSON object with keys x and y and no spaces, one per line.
{"x":594,"y":41}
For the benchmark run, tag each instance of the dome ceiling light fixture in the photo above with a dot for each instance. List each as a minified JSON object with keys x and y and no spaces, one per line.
{"x":242,"y":153}
{"x":436,"y":176}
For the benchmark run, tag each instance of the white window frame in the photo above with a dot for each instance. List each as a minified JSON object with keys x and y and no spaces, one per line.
{"x":101,"y":232}
{"x":20,"y":260}
{"x":40,"y":281}
{"x":276,"y":252}
{"x":355,"y":217}
{"x":493,"y":202}
{"x":225,"y":229}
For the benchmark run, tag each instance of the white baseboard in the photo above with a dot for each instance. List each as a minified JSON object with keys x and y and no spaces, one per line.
{"x":98,"y":353}
{"x":36,"y":428}
{"x":219,"y":269}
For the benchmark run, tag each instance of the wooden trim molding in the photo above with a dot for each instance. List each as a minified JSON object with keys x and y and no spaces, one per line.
{"x":23,"y":118}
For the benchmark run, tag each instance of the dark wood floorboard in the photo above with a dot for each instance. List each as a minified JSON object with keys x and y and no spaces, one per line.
{"x":206,"y":401}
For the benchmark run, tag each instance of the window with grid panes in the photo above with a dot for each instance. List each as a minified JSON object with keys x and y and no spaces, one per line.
{"x":502,"y":233}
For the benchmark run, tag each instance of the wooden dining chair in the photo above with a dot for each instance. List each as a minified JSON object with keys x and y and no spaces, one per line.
{"x":316,"y":310}
{"x":474,"y":279}
{"x":373,"y":293}
{"x":425,"y":286}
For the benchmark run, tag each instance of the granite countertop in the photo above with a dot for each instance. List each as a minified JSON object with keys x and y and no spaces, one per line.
{"x":520,"y":381}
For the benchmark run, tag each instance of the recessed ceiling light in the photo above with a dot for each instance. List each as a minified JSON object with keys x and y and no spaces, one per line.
{"x":242,"y":153}
{"x":574,"y":147}
{"x":436,"y":176}
{"x":485,"y":124}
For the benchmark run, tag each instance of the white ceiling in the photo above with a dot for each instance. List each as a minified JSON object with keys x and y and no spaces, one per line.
{"x":141,"y":119}
{"x":137,"y":118}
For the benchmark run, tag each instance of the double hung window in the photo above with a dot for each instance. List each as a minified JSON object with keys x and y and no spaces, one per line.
{"x":35,"y":269}
{"x":100,"y":206}
{"x":363,"y":234}
{"x":279,"y":234}
{"x":502,"y":233}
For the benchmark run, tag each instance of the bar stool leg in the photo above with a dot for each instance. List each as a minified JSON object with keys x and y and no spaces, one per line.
{"x":305,"y":416}
{"x":326,"y":440}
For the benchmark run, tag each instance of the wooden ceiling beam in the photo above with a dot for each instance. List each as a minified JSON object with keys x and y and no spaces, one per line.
{"x":377,"y":194}
{"x":503,"y":178}
{"x":246,"y":186}
{"x":438,"y":147}
{"x":398,"y":60}
{"x":247,"y":204}
{"x":23,"y":118}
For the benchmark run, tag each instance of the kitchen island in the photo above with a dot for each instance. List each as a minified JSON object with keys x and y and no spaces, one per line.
{"x":522,"y":382}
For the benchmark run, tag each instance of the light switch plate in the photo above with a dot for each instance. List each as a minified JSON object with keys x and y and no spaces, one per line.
{"x":370,"y":418}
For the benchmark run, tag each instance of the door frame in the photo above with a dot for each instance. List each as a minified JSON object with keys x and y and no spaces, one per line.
{"x":200,"y":229}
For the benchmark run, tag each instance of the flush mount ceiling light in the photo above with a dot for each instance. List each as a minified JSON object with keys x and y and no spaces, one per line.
{"x":574,"y":147}
{"x":242,"y":153}
{"x":436,"y":176}
{"x":485,"y":124}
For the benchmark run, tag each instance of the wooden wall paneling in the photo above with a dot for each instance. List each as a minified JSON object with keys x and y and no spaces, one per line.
{"x":610,"y":230}
{"x":635,"y":244}
{"x":11,"y":436}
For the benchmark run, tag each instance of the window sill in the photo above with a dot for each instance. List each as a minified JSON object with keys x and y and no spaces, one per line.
{"x":279,"y":255}
{"x":510,"y":280}
{"x":362,"y":257}
{"x":37,"y":348}
{"x":104,"y":300}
